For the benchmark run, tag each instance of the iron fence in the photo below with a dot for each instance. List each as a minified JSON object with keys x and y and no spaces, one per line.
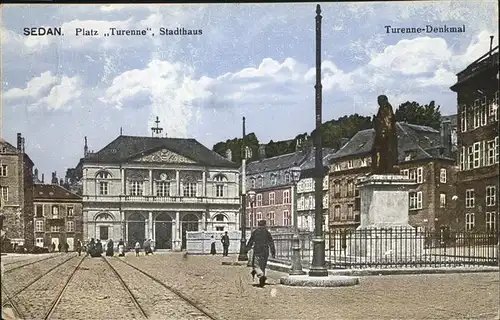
{"x":395,"y":248}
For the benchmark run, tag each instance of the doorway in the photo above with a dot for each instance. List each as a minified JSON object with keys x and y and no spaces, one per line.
{"x":136,"y":229}
{"x":189,"y":223}
{"x":163,"y":231}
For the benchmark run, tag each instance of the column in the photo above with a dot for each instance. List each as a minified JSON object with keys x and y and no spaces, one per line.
{"x":122,"y":175}
{"x":177,"y":183}
{"x":177,"y":236}
{"x":150,"y":225}
{"x":85,"y":191}
{"x":204,"y":184}
{"x":204,"y":220}
{"x":151,"y":183}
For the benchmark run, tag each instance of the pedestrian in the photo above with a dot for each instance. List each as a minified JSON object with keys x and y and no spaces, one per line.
{"x":79,"y":247}
{"x":147,"y":247}
{"x":151,"y":244}
{"x":109,"y":248}
{"x":66,"y":247}
{"x":98,"y":248}
{"x":212,"y":247}
{"x":137,"y":248}
{"x":59,"y":247}
{"x":53,"y":247}
{"x":121,"y":248}
{"x":225,"y":244}
{"x":262,"y":241}
{"x":91,"y":247}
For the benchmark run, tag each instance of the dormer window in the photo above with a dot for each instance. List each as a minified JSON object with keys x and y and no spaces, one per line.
{"x":274,"y":179}
{"x":261,"y":182}
{"x":248,"y":152}
{"x":287,"y":177}
{"x":252,"y":183}
{"x":55,"y":211}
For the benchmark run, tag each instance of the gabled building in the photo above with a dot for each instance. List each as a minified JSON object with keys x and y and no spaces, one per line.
{"x":477,"y":101}
{"x":58,"y":216}
{"x":424,"y":156}
{"x":306,"y":192}
{"x":272,"y":181}
{"x":16,"y":192}
{"x":137,"y":188}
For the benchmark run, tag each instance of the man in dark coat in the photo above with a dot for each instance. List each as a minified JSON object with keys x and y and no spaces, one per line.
{"x":262,"y":241}
{"x":225,"y":244}
{"x":385,"y":145}
{"x":110,"y":249}
{"x":78,"y":247}
{"x":59,"y":247}
{"x":66,"y":247}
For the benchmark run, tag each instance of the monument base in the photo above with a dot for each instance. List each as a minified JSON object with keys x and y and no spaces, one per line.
{"x":319,"y":282}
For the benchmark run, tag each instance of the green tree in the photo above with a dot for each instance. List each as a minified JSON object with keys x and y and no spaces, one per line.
{"x":414,"y":113}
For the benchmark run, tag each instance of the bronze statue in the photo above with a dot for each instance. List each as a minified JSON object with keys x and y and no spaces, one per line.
{"x":385,"y":146}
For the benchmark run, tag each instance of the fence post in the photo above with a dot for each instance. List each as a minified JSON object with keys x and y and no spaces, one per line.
{"x":296,"y":268}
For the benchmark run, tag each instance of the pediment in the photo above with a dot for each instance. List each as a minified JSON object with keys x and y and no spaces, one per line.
{"x":163,"y":156}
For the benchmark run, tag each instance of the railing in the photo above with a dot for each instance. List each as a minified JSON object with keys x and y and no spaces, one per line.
{"x":487,"y":60}
{"x":156,"y":199}
{"x":396,"y":248}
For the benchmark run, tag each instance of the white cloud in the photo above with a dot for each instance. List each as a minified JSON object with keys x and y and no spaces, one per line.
{"x":48,"y":92}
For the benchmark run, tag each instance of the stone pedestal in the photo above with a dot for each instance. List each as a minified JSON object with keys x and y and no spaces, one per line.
{"x":384,"y":232}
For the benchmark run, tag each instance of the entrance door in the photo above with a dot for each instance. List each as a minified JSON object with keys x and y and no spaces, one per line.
{"x":136,"y":229}
{"x":56,"y":242}
{"x":189,"y":223}
{"x":163,"y":231}
{"x":71,"y":242}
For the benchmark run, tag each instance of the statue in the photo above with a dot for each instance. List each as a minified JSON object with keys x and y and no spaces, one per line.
{"x":385,"y":146}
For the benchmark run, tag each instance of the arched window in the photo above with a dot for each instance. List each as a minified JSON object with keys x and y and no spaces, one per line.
{"x":220,"y":218}
{"x":102,"y":183}
{"x":103,"y":174}
{"x":55,"y":211}
{"x":274,"y":179}
{"x":220,"y":185}
{"x":104,"y":216}
{"x":261,"y":182}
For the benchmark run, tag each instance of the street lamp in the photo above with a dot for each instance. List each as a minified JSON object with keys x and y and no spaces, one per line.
{"x":251,"y":197}
{"x":296,"y":268}
{"x":243,"y":242}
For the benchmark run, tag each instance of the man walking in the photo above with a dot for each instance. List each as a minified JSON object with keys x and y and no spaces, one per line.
{"x":225,"y":244}
{"x":262,"y":241}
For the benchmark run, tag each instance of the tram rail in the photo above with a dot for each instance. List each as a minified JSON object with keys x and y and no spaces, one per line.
{"x":26,"y":264}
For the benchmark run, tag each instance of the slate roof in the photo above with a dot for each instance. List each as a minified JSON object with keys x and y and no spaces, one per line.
{"x":125,"y":148}
{"x":309,"y":162}
{"x":424,"y":143}
{"x":275,"y":163}
{"x":53,"y":192}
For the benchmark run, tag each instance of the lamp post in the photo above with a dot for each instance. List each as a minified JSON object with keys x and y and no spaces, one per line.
{"x":251,"y":197}
{"x":243,"y":242}
{"x":296,"y":268}
{"x":318,"y":268}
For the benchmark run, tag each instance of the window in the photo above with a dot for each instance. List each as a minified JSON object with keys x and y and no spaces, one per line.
{"x":39,"y":226}
{"x":405,"y":173}
{"x":273,"y":179}
{"x":189,"y":189}
{"x":286,"y":196}
{"x":484,"y":112}
{"x":261,"y":182}
{"x":300,"y":203}
{"x":350,"y":164}
{"x":442,"y":175}
{"x":252,"y":183}
{"x":103,"y":233}
{"x":136,"y":188}
{"x":103,"y":188}
{"x":271,"y":218}
{"x":462,"y":159}
{"x":39,"y":211}
{"x":219,"y":228}
{"x":250,"y":220}
{"x":350,"y":212}
{"x":325,"y":201}
{"x":491,"y":221}
{"x":470,"y":157}
{"x":162,"y":189}
{"x":336,"y":188}
{"x":495,"y":106}
{"x":103,"y":175}
{"x":219,"y":190}
{"x":259,"y":216}
{"x":412,"y":174}
{"x":477,"y":152}
{"x":442,"y":200}
{"x":55,"y":211}
{"x":5,"y":193}
{"x":219,"y":218}
{"x":287,"y":177}
{"x":469,"y":221}
{"x":271,"y":198}
{"x":39,"y":242}
{"x":469,"y":198}
{"x":3,"y":150}
{"x":490,"y":195}
{"x":287,"y":219}
{"x":416,"y":200}
{"x":3,"y":170}
{"x":325,"y":182}
{"x":477,"y":114}
{"x":463,"y":118}
{"x":420,"y":175}
{"x":248,"y":152}
{"x":70,"y":211}
{"x":350,"y":189}
{"x":491,"y":152}
{"x":336,"y":213}
{"x":308,"y":203}
{"x":312,"y":202}
{"x":343,"y":214}
{"x":259,"y":200}
{"x":70,"y":226}
{"x":496,"y":149}
{"x":55,"y":228}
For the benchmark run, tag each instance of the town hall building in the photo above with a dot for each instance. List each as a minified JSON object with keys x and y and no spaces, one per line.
{"x":158,"y":188}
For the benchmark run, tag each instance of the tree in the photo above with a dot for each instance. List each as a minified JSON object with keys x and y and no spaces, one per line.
{"x":424,"y":115}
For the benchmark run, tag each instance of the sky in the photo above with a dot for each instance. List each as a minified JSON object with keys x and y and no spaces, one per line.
{"x":252,"y":60}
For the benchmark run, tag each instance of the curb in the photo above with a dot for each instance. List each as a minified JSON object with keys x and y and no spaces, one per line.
{"x":384,"y":272}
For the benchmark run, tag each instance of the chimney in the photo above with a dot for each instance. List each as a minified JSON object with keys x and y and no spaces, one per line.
{"x":446,"y":137}
{"x":19,"y":142}
{"x":43,"y":178}
{"x":61,"y":182}
{"x":36,"y":173}
{"x":262,"y":151}
{"x":54,"y":177}
{"x":85,"y":148}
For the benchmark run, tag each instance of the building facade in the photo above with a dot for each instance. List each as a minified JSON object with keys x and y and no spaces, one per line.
{"x":16,"y":193}
{"x":306,"y":202}
{"x":272,"y":181}
{"x":477,"y":188}
{"x":139,"y":188}
{"x":424,"y":156}
{"x":58,"y":216}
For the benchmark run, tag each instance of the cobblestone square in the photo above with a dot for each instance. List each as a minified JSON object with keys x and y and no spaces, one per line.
{"x":174,"y":286}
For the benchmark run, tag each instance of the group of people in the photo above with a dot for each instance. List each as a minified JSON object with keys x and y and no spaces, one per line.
{"x":95,"y":249}
{"x":60,"y":247}
{"x":225,"y":245}
{"x":147,"y":245}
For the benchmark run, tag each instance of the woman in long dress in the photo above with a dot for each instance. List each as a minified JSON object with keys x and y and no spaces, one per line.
{"x":121,"y":248}
{"x":212,"y":247}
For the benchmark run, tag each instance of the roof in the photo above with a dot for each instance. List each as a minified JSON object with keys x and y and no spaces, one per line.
{"x":422,"y":141}
{"x":310,"y":161}
{"x":125,"y":148}
{"x":53,"y":192}
{"x":12,"y":149}
{"x":275,"y":163}
{"x":452,"y":118}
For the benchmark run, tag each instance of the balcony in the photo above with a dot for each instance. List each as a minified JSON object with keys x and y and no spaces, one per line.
{"x":200,"y":200}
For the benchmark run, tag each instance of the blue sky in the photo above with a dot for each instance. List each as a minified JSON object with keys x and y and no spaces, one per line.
{"x":252,"y":60}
